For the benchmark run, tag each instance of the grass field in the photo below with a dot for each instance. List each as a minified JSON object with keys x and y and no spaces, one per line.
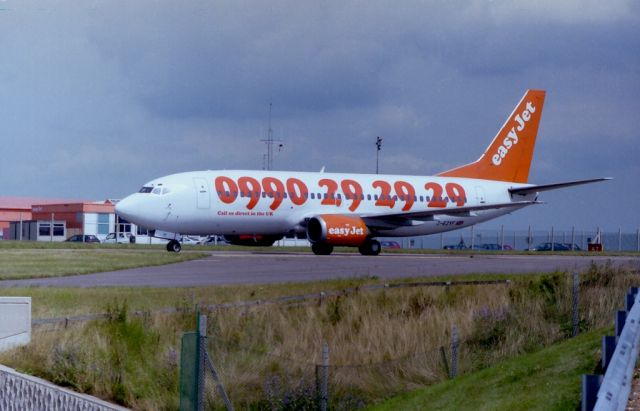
{"x":18,"y":263}
{"x":383,"y":343}
{"x":549,"y":379}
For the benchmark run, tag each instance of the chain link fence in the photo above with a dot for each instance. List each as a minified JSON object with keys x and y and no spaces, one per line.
{"x":477,"y":237}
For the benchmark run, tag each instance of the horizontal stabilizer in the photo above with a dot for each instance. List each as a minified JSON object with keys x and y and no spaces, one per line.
{"x":523,"y":191}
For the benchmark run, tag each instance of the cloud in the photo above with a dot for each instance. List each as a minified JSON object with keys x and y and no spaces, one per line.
{"x":120,"y":89}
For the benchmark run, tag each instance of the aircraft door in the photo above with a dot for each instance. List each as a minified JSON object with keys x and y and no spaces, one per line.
{"x":480,"y":197}
{"x":202,"y":190}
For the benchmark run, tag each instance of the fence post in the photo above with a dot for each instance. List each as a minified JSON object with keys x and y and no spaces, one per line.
{"x":442,"y":241}
{"x":575,"y":317}
{"x":502,"y":238}
{"x":472,"y":236}
{"x":202,"y":346}
{"x":552,"y":239}
{"x":443,"y":355}
{"x":530,"y":240}
{"x":455,"y":341}
{"x":619,"y":238}
{"x":638,"y":241}
{"x":573,"y":238}
{"x":324,"y":378}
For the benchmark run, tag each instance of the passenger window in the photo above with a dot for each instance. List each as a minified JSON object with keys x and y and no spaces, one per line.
{"x":369,"y":197}
{"x":313,"y":196}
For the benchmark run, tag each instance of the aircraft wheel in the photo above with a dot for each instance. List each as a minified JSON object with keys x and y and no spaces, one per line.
{"x":370,"y":247}
{"x":321,"y":248}
{"x":174,"y":246}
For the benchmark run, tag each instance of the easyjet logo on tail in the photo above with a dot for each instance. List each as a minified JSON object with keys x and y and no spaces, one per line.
{"x":512,"y":137}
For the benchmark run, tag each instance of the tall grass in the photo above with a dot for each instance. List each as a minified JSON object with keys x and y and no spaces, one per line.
{"x":381,"y":342}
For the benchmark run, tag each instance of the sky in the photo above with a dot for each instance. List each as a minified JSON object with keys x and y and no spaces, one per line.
{"x":98,"y":97}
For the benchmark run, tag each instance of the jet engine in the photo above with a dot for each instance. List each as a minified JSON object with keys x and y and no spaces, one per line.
{"x":337,"y":229}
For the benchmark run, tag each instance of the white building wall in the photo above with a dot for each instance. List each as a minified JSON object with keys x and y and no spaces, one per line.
{"x":15,"y":322}
{"x":90,"y":223}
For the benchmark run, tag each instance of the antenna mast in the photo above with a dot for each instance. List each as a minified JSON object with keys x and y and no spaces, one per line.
{"x":268,"y":163}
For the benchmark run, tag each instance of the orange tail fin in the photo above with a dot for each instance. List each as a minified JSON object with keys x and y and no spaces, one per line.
{"x":508,"y":157}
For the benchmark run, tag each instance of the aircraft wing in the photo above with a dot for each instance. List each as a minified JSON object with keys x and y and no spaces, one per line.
{"x":399,"y":219}
{"x":523,"y":191}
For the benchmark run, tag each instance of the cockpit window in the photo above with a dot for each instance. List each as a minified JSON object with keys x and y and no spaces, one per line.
{"x":165,"y":190}
{"x":157,"y":190}
{"x":145,"y":190}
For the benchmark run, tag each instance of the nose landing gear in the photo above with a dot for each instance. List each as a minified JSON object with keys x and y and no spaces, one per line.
{"x":174,"y":246}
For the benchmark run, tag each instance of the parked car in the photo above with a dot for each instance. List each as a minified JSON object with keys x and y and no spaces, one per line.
{"x":214,"y":240}
{"x":575,"y":246}
{"x":123,"y":238}
{"x":492,"y":247}
{"x":190,"y":240}
{"x":390,"y":244}
{"x":459,"y":246}
{"x":556,"y":247}
{"x":88,"y":238}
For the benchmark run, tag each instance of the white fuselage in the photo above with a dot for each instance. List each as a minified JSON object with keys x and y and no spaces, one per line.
{"x":278,"y":203}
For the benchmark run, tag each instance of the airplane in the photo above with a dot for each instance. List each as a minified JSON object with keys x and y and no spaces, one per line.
{"x":252,"y":207}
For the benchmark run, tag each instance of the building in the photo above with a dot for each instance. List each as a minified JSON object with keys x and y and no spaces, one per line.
{"x":18,"y":209}
{"x":56,"y":220}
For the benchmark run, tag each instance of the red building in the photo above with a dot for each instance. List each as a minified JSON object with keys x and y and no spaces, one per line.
{"x":33,"y":217}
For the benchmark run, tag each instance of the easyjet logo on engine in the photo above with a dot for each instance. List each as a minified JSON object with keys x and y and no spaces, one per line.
{"x":512,"y":137}
{"x":346,"y":230}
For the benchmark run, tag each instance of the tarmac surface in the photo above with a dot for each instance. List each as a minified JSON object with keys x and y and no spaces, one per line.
{"x":226,"y":268}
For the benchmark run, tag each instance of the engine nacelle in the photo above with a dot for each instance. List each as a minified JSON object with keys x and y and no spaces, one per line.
{"x":337,"y":229}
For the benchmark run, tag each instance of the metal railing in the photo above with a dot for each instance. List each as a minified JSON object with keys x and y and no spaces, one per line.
{"x":619,"y":355}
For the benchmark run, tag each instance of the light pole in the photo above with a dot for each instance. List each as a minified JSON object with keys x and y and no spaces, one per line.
{"x":378,"y":146}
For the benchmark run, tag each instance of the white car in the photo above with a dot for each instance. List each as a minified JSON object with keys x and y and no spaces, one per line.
{"x":123,"y":238}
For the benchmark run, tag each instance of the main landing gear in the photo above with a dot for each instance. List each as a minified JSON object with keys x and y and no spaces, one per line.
{"x":370,"y":247}
{"x":321,"y":248}
{"x":174,"y":246}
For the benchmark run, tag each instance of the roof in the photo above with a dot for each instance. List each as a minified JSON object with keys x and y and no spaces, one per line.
{"x":25,"y":203}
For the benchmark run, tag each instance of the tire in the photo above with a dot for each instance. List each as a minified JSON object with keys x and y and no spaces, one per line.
{"x":174,"y":246}
{"x":322,"y":248}
{"x":370,"y":247}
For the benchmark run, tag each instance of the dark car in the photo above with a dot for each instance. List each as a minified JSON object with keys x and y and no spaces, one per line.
{"x":459,"y":246}
{"x":88,"y":238}
{"x":556,"y":247}
{"x":390,"y":244}
{"x":493,"y":247}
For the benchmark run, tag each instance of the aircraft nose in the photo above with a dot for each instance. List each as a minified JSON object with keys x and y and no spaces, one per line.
{"x":128,"y":208}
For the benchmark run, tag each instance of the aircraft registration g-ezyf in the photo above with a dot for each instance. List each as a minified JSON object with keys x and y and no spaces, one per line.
{"x":335,"y":209}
